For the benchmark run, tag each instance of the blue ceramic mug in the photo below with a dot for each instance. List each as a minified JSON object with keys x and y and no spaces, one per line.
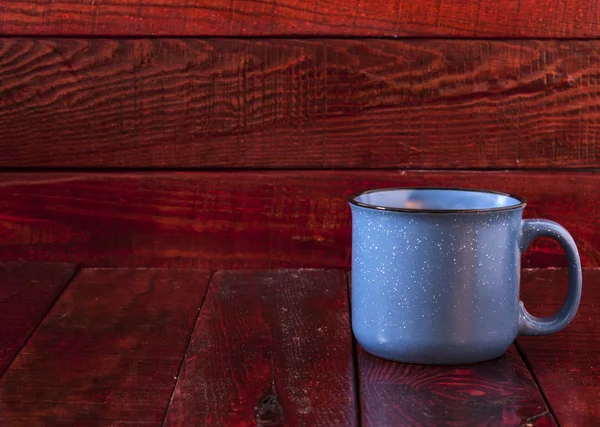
{"x":435,"y":274}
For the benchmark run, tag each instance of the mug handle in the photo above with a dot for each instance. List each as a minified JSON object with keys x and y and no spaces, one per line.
{"x":531,"y":229}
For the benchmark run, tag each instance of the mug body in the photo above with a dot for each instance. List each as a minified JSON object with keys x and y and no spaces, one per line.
{"x":435,"y":274}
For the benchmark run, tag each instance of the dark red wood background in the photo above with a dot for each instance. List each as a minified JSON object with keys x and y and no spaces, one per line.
{"x":449,"y":18}
{"x":228,"y":134}
{"x":299,"y":103}
{"x":107,"y":353}
{"x":124,"y":143}
{"x":279,"y":342}
{"x":247,"y":219}
{"x":26,"y":293}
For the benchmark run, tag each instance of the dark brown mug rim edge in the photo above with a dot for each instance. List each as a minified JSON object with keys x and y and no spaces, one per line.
{"x":522,"y":202}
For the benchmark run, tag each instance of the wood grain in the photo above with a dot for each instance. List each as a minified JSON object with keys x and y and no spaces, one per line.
{"x":108,"y":353}
{"x":500,"y":392}
{"x":313,"y":103}
{"x":27,"y":291}
{"x":230,"y":219}
{"x":567,"y":364}
{"x":269,"y":348}
{"x":471,"y":18}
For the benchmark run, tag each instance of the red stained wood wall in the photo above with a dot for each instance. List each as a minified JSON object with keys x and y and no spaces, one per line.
{"x":197,"y":135}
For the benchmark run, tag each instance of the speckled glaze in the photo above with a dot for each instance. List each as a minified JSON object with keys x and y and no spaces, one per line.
{"x":435,"y":274}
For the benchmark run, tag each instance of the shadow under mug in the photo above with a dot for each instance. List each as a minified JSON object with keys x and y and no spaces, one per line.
{"x":436,"y":271}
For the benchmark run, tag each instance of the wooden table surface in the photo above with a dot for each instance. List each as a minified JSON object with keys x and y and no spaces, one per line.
{"x":97,"y":347}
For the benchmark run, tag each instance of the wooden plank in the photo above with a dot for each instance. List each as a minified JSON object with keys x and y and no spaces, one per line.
{"x":108,"y":353}
{"x":567,"y":364}
{"x":269,"y":348}
{"x":27,"y":290}
{"x":315,"y":103}
{"x":498,"y":392}
{"x":229,"y":219}
{"x":454,"y":18}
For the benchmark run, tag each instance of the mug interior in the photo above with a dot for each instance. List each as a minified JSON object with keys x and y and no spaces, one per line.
{"x":437,"y":200}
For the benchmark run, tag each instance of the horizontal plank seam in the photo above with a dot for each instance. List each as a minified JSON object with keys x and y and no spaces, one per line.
{"x":66,"y":283}
{"x":187,"y":346}
{"x":391,"y":37}
{"x":159,"y":269}
{"x":529,"y":366}
{"x":117,"y":170}
{"x":559,"y":268}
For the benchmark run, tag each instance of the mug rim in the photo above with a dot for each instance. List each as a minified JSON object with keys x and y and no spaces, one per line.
{"x":522,"y":202}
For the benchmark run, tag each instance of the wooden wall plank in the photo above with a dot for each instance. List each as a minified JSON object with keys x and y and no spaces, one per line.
{"x":315,"y":103}
{"x":247,"y":219}
{"x":567,"y":364}
{"x":108,"y":353}
{"x":498,"y":392}
{"x":27,"y":290}
{"x":471,"y":18}
{"x":269,"y":348}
